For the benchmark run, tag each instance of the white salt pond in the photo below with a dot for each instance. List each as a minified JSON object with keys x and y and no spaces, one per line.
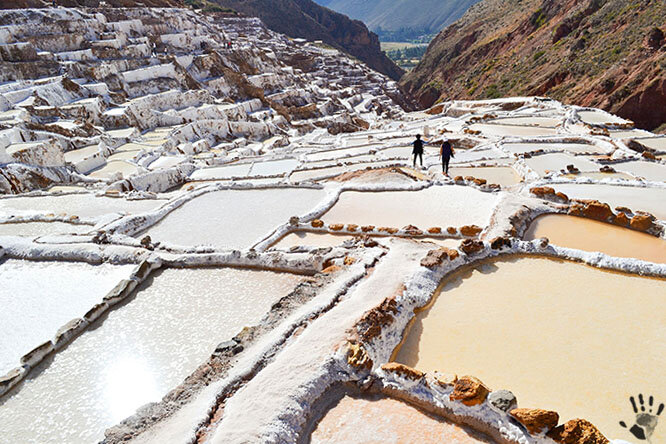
{"x":545,"y":163}
{"x":436,"y":206}
{"x":374,"y":419}
{"x":82,"y":205}
{"x":543,"y":122}
{"x":652,"y":200}
{"x":38,"y":298}
{"x":648,"y":170}
{"x":656,"y":143}
{"x":138,"y":353}
{"x":595,"y":117}
{"x":509,"y":322}
{"x":41,"y":228}
{"x":512,"y":130}
{"x":274,"y":167}
{"x":222,"y":172}
{"x":520,"y":148}
{"x":592,"y":235}
{"x":310,"y":239}
{"x":234,"y":218}
{"x":114,"y":167}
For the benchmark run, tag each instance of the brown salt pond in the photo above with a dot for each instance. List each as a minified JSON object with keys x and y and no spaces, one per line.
{"x":505,"y":176}
{"x":375,"y":419}
{"x":560,"y":335}
{"x":592,"y":235}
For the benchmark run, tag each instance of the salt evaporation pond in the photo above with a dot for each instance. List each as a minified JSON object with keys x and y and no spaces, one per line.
{"x":554,"y":162}
{"x":222,"y":172}
{"x":113,"y":168}
{"x":647,"y":170}
{"x":652,"y":200}
{"x":375,"y":419}
{"x":491,"y":129}
{"x":135,"y":356}
{"x":592,"y":235}
{"x":38,"y":298}
{"x":82,"y":205}
{"x":234,"y":218}
{"x":41,"y":228}
{"x":510,"y":323}
{"x":436,"y":206}
{"x":520,"y":148}
{"x":309,"y":239}
{"x":505,"y":176}
{"x":273,"y":167}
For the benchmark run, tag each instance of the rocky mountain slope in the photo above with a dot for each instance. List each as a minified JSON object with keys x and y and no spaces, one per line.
{"x":306,"y":19}
{"x":609,"y":54}
{"x":408,"y":17}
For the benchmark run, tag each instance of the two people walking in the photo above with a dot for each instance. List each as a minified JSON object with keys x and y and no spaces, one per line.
{"x":445,"y":153}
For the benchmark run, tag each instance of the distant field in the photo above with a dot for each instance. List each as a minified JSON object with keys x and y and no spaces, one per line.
{"x":391,"y":46}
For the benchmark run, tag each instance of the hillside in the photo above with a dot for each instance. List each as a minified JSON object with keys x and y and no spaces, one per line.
{"x":306,"y":19}
{"x":402,"y":19}
{"x":602,"y":53}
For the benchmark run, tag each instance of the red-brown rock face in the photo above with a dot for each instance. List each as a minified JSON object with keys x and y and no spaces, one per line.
{"x":536,"y":420}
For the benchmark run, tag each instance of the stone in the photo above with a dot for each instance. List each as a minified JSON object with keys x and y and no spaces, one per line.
{"x":389,"y":230}
{"x":500,"y":242}
{"x":641,"y":222}
{"x":562,"y":197}
{"x":336,"y":227}
{"x":607,"y":169}
{"x":470,"y":230}
{"x":445,"y":379}
{"x":412,"y":230}
{"x":317,"y":223}
{"x":358,"y":357}
{"x":577,"y":431}
{"x":403,"y":371}
{"x":470,"y":246}
{"x":434,"y":230}
{"x":452,"y":230}
{"x":480,"y":182}
{"x":598,"y":211}
{"x":349,"y":260}
{"x":543,"y":242}
{"x":536,"y":421}
{"x":367,"y":228}
{"x":503,"y":400}
{"x":469,"y":390}
{"x":435,"y":257}
{"x":621,"y":219}
{"x":542,"y":191}
{"x":352,"y":227}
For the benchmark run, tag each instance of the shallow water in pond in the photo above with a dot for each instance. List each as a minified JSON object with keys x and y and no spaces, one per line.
{"x":374,"y":419}
{"x":336,"y":154}
{"x":500,"y":175}
{"x":519,"y":148}
{"x":222,"y":172}
{"x":554,"y":162}
{"x":274,"y":167}
{"x":592,"y":235}
{"x":652,"y":200}
{"x":42,"y":228}
{"x":544,"y":122}
{"x":82,"y":205}
{"x":598,"y":117}
{"x":437,"y":206}
{"x":113,"y":167}
{"x":141,"y":351}
{"x":600,"y":176}
{"x":560,"y":335}
{"x":38,"y":298}
{"x":309,"y":239}
{"x":647,"y":170}
{"x":234,"y":218}
{"x":656,"y":143}
{"x":512,"y":130}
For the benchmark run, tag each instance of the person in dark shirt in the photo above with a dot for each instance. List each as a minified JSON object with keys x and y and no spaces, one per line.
{"x":446,"y":153}
{"x":418,"y":150}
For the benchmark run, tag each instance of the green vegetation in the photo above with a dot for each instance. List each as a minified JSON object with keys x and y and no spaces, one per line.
{"x":539,"y":18}
{"x":538,"y":55}
{"x":207,"y":6}
{"x":492,"y":92}
{"x":405,"y":54}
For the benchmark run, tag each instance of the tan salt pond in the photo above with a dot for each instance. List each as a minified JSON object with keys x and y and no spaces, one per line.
{"x":600,"y":176}
{"x":374,"y":419}
{"x":138,"y":353}
{"x":504,"y":176}
{"x":437,"y":206}
{"x":114,"y":167}
{"x":560,"y":335}
{"x":592,"y":235}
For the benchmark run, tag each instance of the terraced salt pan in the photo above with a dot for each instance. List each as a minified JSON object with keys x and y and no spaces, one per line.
{"x":41,"y":228}
{"x":652,"y":200}
{"x":560,"y":335}
{"x":274,"y":167}
{"x":512,"y":130}
{"x":222,"y":172}
{"x":656,"y":143}
{"x":372,"y":419}
{"x":83,"y":205}
{"x":437,"y":206}
{"x":600,"y":176}
{"x":309,"y":239}
{"x":553,"y":162}
{"x":520,"y":148}
{"x":543,"y":122}
{"x":592,"y":235}
{"x":38,"y":298}
{"x":595,"y":117}
{"x":142,"y":350}
{"x":114,"y":167}
{"x":504,"y":176}
{"x":166,"y":162}
{"x":648,"y":170}
{"x":628,"y":134}
{"x":80,"y":154}
{"x":336,"y":154}
{"x":321,"y":173}
{"x":234,"y":218}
